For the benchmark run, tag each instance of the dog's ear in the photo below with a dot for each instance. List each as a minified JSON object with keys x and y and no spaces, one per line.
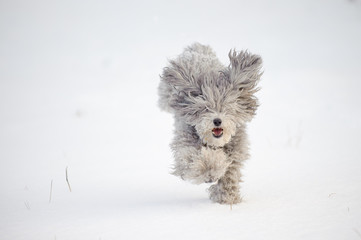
{"x":177,"y":86}
{"x":244,"y":73}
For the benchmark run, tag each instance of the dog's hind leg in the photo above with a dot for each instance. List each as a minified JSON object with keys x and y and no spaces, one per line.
{"x":226,"y":190}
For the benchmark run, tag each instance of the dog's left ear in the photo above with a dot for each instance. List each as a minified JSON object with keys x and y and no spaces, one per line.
{"x":244,"y":72}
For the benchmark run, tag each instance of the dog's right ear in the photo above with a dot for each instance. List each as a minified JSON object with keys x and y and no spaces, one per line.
{"x":176,"y":84}
{"x":244,"y":73}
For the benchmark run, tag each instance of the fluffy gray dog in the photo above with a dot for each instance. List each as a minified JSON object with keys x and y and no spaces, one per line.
{"x":211,"y":104}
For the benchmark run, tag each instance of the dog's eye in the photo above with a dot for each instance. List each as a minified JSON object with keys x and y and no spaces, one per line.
{"x":194,"y":94}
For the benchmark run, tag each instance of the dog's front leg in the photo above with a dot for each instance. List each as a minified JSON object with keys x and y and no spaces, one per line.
{"x":184,"y":158}
{"x":226,"y":190}
{"x":209,"y":166}
{"x":200,"y":166}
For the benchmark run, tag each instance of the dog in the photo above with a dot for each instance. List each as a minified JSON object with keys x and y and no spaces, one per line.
{"x":211,"y":104}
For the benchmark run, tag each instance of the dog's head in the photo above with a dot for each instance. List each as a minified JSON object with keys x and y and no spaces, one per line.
{"x":214,"y":101}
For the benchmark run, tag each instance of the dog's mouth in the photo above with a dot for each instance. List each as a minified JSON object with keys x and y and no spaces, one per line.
{"x":217,"y":132}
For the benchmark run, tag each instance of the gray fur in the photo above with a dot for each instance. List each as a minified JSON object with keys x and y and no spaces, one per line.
{"x":197,"y":88}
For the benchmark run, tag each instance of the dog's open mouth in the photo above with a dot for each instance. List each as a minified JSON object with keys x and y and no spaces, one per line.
{"x":217,"y":132}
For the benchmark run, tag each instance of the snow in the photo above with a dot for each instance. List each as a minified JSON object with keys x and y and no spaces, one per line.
{"x":78,"y":90}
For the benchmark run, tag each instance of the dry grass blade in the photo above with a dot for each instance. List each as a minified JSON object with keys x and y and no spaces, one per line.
{"x":51,"y":190}
{"x":27,"y":205}
{"x":66,"y":177}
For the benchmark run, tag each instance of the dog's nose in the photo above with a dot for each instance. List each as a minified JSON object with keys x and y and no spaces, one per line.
{"x":217,"y":122}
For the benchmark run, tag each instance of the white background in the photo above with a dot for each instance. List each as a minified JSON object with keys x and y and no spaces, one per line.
{"x":78,"y":89}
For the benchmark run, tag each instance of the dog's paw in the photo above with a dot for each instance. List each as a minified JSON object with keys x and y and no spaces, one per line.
{"x":221,"y":195}
{"x":209,"y":167}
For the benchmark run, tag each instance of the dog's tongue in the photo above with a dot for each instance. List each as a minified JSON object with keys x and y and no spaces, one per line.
{"x":217,"y":131}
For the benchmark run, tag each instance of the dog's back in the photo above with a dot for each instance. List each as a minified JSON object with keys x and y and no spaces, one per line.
{"x":200,"y":58}
{"x":200,"y":49}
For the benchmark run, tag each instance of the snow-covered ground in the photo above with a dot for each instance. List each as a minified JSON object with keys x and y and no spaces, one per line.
{"x":78,"y":90}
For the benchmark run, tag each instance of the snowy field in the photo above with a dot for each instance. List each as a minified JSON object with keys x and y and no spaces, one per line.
{"x":78,"y":90}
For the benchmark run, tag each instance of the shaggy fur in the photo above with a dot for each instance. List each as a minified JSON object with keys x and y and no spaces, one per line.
{"x":211,"y":104}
